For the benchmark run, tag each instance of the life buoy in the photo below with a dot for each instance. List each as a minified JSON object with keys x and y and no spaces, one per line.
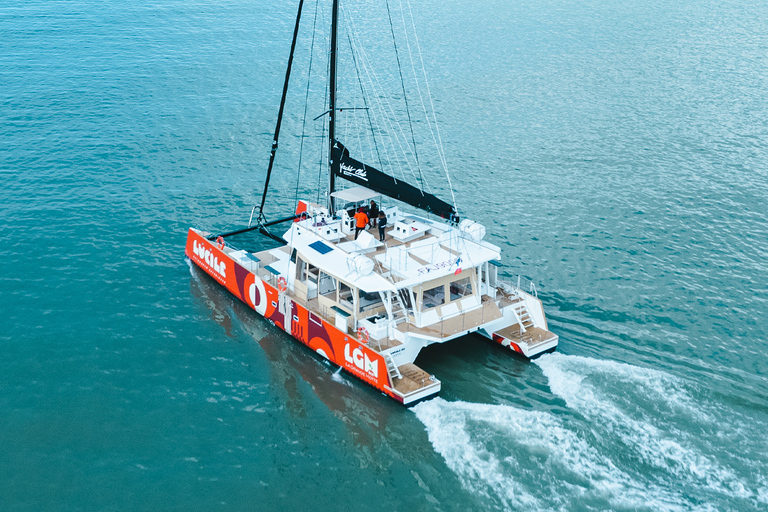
{"x":220,"y":243}
{"x":362,"y":335}
{"x":282,"y":284}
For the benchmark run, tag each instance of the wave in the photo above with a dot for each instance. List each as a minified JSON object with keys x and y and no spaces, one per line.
{"x":524,"y":460}
{"x":629,"y":438}
{"x":655,"y":419}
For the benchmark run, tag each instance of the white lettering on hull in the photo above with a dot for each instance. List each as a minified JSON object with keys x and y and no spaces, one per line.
{"x":361,"y":360}
{"x":209,"y":258}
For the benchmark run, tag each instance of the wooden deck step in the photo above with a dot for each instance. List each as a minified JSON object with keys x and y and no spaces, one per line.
{"x":532,"y":336}
{"x":413,"y":379}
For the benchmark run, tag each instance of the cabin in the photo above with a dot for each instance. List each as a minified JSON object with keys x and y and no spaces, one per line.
{"x":429,"y":281}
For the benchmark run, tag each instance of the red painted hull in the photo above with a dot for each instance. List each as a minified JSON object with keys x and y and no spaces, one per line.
{"x":304,"y":325}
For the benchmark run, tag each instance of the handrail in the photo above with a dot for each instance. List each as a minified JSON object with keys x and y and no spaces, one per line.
{"x":524,"y":282}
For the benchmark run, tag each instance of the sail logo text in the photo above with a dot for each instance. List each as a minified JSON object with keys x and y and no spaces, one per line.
{"x":207,"y":256}
{"x":348,"y":170}
{"x":360,"y":359}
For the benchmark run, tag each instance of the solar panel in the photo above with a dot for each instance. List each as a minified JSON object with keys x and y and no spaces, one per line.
{"x":320,"y":247}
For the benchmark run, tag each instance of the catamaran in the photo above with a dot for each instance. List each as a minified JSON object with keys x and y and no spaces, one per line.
{"x":370,"y":304}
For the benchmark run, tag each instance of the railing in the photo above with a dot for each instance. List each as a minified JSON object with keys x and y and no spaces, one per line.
{"x":462,"y":321}
{"x":524,"y":283}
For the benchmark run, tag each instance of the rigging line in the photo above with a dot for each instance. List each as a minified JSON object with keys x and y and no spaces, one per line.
{"x":366,"y":65}
{"x":367,"y":111}
{"x":376,"y":112}
{"x":306,"y":104}
{"x":365,"y":99}
{"x":405,"y":96}
{"x":354,"y":115}
{"x":280,"y":111}
{"x":387,"y":121}
{"x":346,"y":118}
{"x":415,"y":77}
{"x":429,"y":95}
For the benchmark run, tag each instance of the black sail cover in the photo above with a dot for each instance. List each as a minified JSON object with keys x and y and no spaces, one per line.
{"x":344,"y":166}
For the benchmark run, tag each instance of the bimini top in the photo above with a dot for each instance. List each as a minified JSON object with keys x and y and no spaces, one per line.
{"x":355,"y":194}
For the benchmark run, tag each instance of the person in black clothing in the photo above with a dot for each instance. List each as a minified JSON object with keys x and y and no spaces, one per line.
{"x":382,"y":225}
{"x":373,"y":213}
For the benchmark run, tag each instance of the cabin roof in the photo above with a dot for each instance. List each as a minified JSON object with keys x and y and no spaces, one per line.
{"x":442,"y":252}
{"x":433,"y":257}
{"x":330,"y":259}
{"x":355,"y":194}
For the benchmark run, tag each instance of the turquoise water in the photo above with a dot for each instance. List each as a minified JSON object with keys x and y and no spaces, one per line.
{"x":617,"y":152}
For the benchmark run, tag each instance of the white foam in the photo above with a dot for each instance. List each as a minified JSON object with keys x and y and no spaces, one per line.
{"x":527,"y":459}
{"x":340,"y":378}
{"x":624,"y":401}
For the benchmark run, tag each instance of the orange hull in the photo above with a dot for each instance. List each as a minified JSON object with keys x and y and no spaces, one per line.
{"x":304,"y":325}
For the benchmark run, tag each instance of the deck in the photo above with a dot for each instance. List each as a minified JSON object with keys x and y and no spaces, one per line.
{"x":463,"y":322}
{"x":413,"y":379}
{"x":533,"y":336}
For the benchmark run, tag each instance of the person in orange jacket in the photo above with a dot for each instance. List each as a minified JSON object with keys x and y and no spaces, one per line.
{"x":361,"y":221}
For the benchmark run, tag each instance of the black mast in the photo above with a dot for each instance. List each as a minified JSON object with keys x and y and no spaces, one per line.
{"x":280,"y":112}
{"x":332,"y":101}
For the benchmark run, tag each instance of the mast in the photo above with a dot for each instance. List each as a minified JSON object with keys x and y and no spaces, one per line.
{"x":280,"y":112}
{"x":332,"y":102}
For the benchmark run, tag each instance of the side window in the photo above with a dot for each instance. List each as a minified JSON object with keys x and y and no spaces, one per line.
{"x":369,"y":301}
{"x":461,"y":288}
{"x":311,"y":274}
{"x":345,"y":295}
{"x":327,"y":286}
{"x":433,"y":297}
{"x":300,"y":269}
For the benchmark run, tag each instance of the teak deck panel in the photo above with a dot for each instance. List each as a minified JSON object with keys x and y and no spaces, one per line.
{"x":414,"y":378}
{"x":532,"y":336}
{"x":463,"y":322}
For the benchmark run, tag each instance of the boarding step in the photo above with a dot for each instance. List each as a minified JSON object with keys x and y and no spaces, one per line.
{"x":394,"y":371}
{"x":523,"y":316}
{"x":529,"y":343}
{"x":415,"y":383}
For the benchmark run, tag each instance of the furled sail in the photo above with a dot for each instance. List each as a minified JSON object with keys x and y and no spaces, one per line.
{"x":346,"y":167}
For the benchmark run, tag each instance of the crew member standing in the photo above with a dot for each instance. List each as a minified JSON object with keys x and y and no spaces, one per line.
{"x":361,"y":221}
{"x":373,"y":213}
{"x":382,"y":225}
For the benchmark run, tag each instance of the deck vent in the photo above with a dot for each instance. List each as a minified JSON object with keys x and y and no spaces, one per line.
{"x":320,"y":247}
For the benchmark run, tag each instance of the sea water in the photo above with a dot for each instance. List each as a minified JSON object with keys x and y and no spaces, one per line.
{"x":617,"y":152}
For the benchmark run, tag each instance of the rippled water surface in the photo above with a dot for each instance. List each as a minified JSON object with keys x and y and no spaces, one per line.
{"x":617,"y":152}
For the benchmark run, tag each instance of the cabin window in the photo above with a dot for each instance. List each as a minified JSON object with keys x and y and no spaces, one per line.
{"x":300,"y":269}
{"x":461,"y":288}
{"x":345,"y":295}
{"x":433,"y":297}
{"x":308,"y":273}
{"x":369,"y":301}
{"x":326,"y":286}
{"x":490,"y":271}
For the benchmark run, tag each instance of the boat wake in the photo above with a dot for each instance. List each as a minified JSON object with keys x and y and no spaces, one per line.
{"x":631,"y":438}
